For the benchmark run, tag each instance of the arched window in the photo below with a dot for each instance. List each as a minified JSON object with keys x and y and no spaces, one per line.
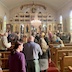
{"x":71,"y":20}
{"x":61,"y":19}
{"x":4,"y":24}
{"x":5,"y":18}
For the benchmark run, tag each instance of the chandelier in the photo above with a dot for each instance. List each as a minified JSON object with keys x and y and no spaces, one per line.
{"x":35,"y":21}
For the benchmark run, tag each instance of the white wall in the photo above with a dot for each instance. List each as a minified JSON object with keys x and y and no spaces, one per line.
{"x":3,"y":11}
{"x":65,"y":11}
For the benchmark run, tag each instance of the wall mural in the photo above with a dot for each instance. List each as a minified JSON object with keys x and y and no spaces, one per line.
{"x":27,"y":29}
{"x":1,"y":22}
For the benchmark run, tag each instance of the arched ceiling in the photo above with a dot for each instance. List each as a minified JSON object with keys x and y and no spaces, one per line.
{"x":55,"y":4}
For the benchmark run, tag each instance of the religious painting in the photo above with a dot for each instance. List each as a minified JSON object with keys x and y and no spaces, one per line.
{"x":50,"y":27}
{"x":59,"y":27}
{"x":9,"y":27}
{"x":1,"y":22}
{"x":55,"y":28}
{"x":33,"y":30}
{"x":22,"y":29}
{"x":33,"y":10}
{"x":27,"y":28}
{"x":40,"y":28}
{"x":44,"y":27}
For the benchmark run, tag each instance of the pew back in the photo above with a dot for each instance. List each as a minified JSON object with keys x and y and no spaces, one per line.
{"x":70,"y":68}
{"x":65,"y":62}
{"x":4,"y":59}
{"x":4,"y":63}
{"x":57,"y":53}
{"x":6,"y":70}
{"x":5,"y":54}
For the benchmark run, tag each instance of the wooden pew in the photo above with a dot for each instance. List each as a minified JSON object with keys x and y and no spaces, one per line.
{"x":65,"y":62}
{"x":68,"y":44}
{"x":70,"y":68}
{"x":4,"y":54}
{"x":5,"y":70}
{"x":4,"y":59}
{"x":57,"y":53}
{"x":4,"y":63}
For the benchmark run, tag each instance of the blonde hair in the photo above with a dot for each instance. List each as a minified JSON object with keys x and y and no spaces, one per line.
{"x":42,"y":34}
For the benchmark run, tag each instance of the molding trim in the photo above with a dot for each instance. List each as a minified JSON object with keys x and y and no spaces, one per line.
{"x":33,"y":5}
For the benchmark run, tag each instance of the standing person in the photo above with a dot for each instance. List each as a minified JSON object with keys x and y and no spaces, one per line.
{"x":17,"y":59}
{"x":31,"y":51}
{"x":50,"y":36}
{"x":4,"y":45}
{"x":45,"y":56}
{"x":37,"y":37}
{"x":46,"y":39}
{"x":9,"y":34}
{"x":24,"y":39}
{"x":69,"y":37}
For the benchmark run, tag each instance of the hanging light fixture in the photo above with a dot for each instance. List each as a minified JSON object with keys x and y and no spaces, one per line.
{"x":36,"y":22}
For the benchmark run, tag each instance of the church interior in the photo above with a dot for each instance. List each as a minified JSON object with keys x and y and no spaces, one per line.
{"x":49,"y":18}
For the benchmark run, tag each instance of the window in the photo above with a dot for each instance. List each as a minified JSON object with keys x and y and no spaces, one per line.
{"x":5,"y":19}
{"x":61,"y":19}
{"x":4,"y":26}
{"x":71,"y":20}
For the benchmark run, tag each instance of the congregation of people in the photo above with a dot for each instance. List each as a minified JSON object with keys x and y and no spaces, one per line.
{"x":30,"y":53}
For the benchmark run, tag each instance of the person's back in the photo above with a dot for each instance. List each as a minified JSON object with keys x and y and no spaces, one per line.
{"x":17,"y":59}
{"x":47,"y":41}
{"x":15,"y":63}
{"x":31,"y":51}
{"x":4,"y":45}
{"x":28,"y":51}
{"x":43,"y":61}
{"x":37,"y":38}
